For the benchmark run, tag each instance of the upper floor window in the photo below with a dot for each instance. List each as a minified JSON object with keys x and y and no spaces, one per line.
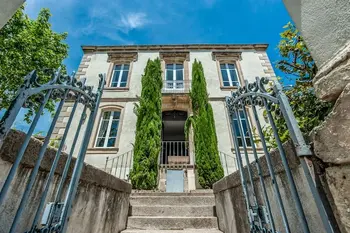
{"x":108,"y":129}
{"x":120,"y":75}
{"x":241,"y":138}
{"x":174,"y":76}
{"x":229,"y":75}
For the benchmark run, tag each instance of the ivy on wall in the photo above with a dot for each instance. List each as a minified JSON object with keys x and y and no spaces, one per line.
{"x":148,"y":129}
{"x":205,"y":140}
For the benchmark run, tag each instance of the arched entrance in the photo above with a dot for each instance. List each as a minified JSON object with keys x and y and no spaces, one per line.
{"x":174,"y":144}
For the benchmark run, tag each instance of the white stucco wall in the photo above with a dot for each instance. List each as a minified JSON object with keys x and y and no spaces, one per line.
{"x":325,"y":26}
{"x":7,"y":9}
{"x":251,"y":66}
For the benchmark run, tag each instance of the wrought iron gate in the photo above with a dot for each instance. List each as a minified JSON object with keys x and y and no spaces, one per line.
{"x":273,"y":101}
{"x":59,"y":89}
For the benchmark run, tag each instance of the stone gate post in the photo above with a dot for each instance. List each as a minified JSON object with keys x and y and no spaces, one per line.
{"x":325,"y":26}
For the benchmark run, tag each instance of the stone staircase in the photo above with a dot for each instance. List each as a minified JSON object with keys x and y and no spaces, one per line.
{"x":152,"y":212}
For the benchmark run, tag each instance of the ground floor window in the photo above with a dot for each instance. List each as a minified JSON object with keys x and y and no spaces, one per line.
{"x":245,"y":137}
{"x":108,"y":129}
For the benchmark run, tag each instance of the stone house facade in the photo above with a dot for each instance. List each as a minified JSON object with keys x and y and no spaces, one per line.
{"x":226,"y":66}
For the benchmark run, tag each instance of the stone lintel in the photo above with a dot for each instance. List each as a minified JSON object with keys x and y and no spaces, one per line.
{"x":122,"y":57}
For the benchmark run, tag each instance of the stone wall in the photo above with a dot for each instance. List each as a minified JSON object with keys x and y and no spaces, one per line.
{"x":7,"y":9}
{"x":101,"y":203}
{"x":325,"y":26}
{"x":230,"y":203}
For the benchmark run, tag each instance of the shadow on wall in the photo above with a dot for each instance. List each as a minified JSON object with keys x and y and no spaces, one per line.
{"x":101,"y":203}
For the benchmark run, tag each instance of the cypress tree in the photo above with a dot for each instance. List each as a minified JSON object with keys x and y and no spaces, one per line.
{"x":148,"y":129}
{"x":205,"y":140}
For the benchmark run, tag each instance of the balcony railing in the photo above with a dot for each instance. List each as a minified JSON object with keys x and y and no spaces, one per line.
{"x":176,"y":86}
{"x":228,"y":162}
{"x":121,"y":165}
{"x":174,"y":152}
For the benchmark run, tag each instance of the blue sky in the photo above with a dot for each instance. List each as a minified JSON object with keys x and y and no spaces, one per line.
{"x":116,"y":22}
{"x":120,"y":22}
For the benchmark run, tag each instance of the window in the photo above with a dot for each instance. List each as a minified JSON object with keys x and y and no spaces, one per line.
{"x":108,"y":129}
{"x":120,"y":75}
{"x":174,"y":76}
{"x":229,"y":75}
{"x":238,"y":134}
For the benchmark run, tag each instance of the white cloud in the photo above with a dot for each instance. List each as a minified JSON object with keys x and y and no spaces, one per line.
{"x":134,"y":20}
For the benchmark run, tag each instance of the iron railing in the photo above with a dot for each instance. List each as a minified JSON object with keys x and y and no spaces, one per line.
{"x":273,"y":101}
{"x":174,"y":152}
{"x":60,"y":88}
{"x":121,"y":165}
{"x":176,"y":86}
{"x":228,"y":162}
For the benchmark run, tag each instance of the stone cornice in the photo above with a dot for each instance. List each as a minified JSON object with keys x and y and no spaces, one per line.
{"x":174,"y":55}
{"x":178,"y":48}
{"x":226,"y":55}
{"x":122,"y":57}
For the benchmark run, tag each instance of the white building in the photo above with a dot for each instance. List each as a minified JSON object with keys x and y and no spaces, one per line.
{"x":225,"y":67}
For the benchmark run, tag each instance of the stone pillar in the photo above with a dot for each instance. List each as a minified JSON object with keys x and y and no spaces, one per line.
{"x":7,"y":9}
{"x":325,"y":26}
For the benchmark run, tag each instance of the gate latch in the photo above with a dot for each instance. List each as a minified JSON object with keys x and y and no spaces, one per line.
{"x":52,"y":212}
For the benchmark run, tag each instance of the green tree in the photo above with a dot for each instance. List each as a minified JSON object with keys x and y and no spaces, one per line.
{"x":297,"y":61}
{"x":205,"y":140}
{"x":25,"y":45}
{"x":147,"y":146}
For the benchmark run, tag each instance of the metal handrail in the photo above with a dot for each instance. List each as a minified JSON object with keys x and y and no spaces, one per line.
{"x":172,"y":149}
{"x":225,"y":162}
{"x":176,"y":86}
{"x":120,"y":165}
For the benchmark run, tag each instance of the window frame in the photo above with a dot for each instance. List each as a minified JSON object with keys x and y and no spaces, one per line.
{"x":119,"y":80}
{"x":227,"y":70}
{"x":246,"y":134}
{"x":174,"y":80}
{"x":109,"y":126}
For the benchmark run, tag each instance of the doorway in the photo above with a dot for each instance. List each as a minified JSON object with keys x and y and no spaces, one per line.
{"x":174,"y":144}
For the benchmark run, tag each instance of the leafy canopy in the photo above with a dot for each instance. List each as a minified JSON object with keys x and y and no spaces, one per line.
{"x":25,"y":45}
{"x":296,"y":60}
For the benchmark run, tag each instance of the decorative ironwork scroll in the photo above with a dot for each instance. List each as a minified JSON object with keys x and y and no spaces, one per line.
{"x":35,"y":95}
{"x":251,"y":100}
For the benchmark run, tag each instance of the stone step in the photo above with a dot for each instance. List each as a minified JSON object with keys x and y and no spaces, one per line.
{"x":172,"y":200}
{"x":173,"y":231}
{"x":171,"y":210}
{"x":171,"y":223}
{"x":203,"y":193}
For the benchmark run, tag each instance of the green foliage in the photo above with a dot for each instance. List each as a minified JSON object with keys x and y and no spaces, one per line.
{"x":25,"y":45}
{"x":148,"y":129}
{"x":308,"y":110}
{"x":296,"y":59}
{"x":205,"y":141}
{"x":55,"y":142}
